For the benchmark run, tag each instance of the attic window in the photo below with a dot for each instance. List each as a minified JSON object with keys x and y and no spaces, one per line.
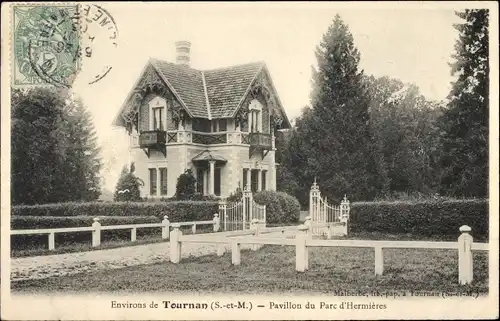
{"x":157,"y":114}
{"x":255,"y":117}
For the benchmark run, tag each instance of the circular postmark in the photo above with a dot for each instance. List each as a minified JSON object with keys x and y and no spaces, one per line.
{"x":46,"y":45}
{"x":99,"y":41}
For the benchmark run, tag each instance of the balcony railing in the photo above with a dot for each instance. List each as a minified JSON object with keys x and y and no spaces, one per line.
{"x":152,"y":139}
{"x":260,"y":140}
{"x":209,"y":138}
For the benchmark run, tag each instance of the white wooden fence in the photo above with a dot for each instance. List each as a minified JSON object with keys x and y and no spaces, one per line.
{"x":96,"y":229}
{"x":303,"y":241}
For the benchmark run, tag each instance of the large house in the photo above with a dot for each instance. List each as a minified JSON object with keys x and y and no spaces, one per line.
{"x":219,"y":123}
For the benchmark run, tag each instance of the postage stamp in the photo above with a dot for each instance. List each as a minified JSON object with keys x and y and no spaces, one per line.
{"x":46,"y":44}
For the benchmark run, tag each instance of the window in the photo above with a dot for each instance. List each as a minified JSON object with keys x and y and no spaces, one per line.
{"x":255,"y":117}
{"x":152,"y":181}
{"x":158,"y":118}
{"x":245,"y":170}
{"x":254,"y":180}
{"x":199,"y":180}
{"x":264,"y":180}
{"x":222,"y":125}
{"x":217,"y":181}
{"x":157,"y":114}
{"x":163,"y":181}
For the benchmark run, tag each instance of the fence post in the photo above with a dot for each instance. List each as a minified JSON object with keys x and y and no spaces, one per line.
{"x":329,"y":231}
{"x":221,"y":249}
{"x":193,"y":229}
{"x":96,"y":232}
{"x":345,"y":209}
{"x":165,"y":229}
{"x":255,"y":228}
{"x":175,"y":243}
{"x":223,"y":212}
{"x":133,"y":234}
{"x":216,"y":221}
{"x":52,"y":241}
{"x":379,"y":261}
{"x":308,"y":223}
{"x":301,"y":253}
{"x":235,"y":253}
{"x":465,"y":272}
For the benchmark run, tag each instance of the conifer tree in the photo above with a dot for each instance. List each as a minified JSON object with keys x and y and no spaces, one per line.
{"x":334,"y":140}
{"x":128,"y":185}
{"x":465,"y":121}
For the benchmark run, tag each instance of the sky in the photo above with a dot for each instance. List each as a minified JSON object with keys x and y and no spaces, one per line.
{"x":411,"y":43}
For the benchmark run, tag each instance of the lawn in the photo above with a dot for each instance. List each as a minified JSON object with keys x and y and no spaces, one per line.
{"x":272,"y":269}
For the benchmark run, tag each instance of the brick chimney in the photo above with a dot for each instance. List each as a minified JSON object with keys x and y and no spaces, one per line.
{"x":182,"y":50}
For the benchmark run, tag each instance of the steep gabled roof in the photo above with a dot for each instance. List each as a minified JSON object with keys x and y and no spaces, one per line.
{"x":227,"y":86}
{"x":215,"y":93}
{"x":188,"y":83}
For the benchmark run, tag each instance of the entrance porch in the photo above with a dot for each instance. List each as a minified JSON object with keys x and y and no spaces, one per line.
{"x":208,"y":172}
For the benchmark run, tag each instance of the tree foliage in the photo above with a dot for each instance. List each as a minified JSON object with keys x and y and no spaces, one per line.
{"x":54,"y":153}
{"x":186,"y":186}
{"x":404,"y":124}
{"x":464,"y":124}
{"x":128,"y":185}
{"x":333,"y":140}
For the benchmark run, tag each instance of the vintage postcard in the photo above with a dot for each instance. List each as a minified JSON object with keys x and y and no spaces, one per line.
{"x":249,"y":160}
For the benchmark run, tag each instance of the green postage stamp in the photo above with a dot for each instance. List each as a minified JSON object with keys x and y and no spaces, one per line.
{"x":46,"y":44}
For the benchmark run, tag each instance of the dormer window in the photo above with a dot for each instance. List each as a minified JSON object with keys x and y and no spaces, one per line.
{"x":157,"y":114}
{"x":255,"y":117}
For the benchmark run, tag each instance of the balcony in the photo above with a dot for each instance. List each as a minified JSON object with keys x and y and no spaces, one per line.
{"x":260,"y":141}
{"x":153,"y":140}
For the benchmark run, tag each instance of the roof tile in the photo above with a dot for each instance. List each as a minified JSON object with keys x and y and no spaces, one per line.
{"x":225,"y":86}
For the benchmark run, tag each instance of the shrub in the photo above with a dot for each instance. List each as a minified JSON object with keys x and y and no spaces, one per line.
{"x":177,"y":211}
{"x":280,"y":207}
{"x":127,"y":187}
{"x":426,"y":218}
{"x":186,"y":186}
{"x":235,"y":196}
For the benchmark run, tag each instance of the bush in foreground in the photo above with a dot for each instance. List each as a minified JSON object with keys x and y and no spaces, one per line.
{"x":280,"y":207}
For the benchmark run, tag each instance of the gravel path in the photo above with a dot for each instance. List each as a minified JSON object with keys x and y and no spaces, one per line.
{"x":40,"y":267}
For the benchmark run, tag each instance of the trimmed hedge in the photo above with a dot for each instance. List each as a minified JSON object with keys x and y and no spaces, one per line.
{"x":177,"y":211}
{"x":42,"y":222}
{"x":20,"y":242}
{"x":425,"y":218}
{"x":280,"y":207}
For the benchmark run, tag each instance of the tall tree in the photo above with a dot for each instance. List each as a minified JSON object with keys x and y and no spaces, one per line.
{"x":465,"y":121}
{"x":404,"y":123}
{"x":54,"y":151}
{"x":334,"y":137}
{"x":83,"y":159}
{"x":38,"y":144}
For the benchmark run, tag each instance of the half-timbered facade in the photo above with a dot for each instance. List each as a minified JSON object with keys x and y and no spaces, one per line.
{"x":220,"y":123}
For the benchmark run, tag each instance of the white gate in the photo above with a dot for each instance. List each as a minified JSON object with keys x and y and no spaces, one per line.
{"x":322,"y":212}
{"x":239,"y":215}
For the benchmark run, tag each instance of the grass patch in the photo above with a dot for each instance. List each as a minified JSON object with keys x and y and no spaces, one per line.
{"x":272,"y":270}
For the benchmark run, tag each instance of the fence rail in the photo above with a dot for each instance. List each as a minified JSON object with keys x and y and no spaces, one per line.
{"x":303,"y":241}
{"x":96,"y":229}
